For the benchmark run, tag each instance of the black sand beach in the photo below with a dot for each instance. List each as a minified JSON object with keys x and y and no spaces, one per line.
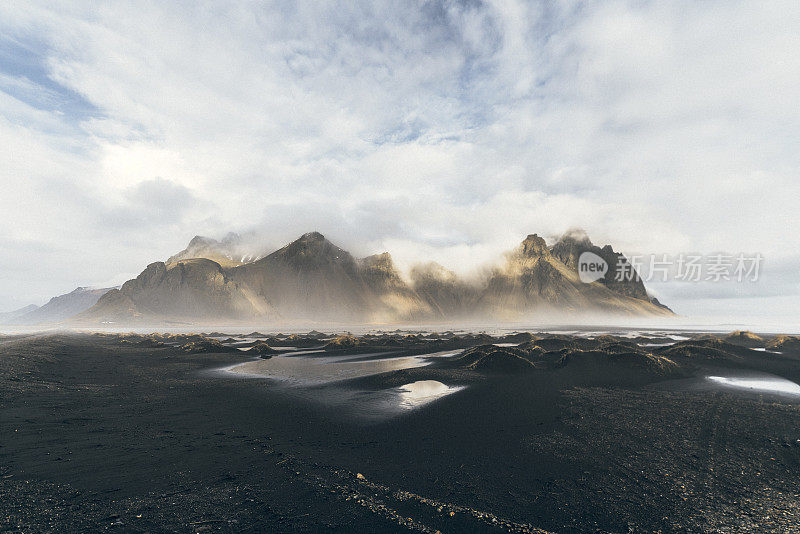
{"x":127,"y":433}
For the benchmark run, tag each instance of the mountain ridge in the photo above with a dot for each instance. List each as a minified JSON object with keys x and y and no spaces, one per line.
{"x":312,"y":279}
{"x":58,"y":308}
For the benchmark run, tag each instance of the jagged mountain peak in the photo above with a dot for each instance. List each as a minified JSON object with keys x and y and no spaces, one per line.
{"x":311,"y":278}
{"x":576,"y":241}
{"x":379,"y":261}
{"x":572,"y":244}
{"x":312,"y":237}
{"x":533,"y":245}
{"x":379,"y":272}
{"x":312,"y":252}
{"x":231,"y":238}
{"x":312,"y":244}
{"x":228,"y":252}
{"x":569,"y":246}
{"x":575,"y":236}
{"x":200,"y":240}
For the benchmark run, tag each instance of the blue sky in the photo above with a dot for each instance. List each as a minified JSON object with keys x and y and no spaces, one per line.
{"x":447,"y":130}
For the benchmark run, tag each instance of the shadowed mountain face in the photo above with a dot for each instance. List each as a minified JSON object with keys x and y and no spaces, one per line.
{"x":309,"y":277}
{"x":444,"y":293}
{"x":313,"y":279}
{"x":396,"y":298}
{"x":620,"y":277}
{"x":187,"y":290}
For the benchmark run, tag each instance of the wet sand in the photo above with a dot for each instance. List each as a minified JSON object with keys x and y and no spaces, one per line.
{"x":103,"y":435}
{"x":325,"y":368}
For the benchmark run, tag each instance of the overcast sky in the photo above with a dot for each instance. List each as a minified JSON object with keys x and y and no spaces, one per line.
{"x":445,"y":130}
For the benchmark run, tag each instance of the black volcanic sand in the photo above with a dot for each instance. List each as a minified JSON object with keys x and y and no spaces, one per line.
{"x":136,"y":434}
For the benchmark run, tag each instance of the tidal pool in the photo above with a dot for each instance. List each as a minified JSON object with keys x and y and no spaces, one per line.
{"x":320,"y":377}
{"x":316,"y":367}
{"x":422,"y":392}
{"x":765,"y":383}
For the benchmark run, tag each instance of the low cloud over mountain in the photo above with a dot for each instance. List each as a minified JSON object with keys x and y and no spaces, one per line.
{"x":313,"y":279}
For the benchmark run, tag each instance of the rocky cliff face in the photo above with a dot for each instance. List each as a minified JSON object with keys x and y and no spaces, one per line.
{"x":447,"y":296}
{"x":391,"y":298}
{"x":310,"y":278}
{"x":186,"y":290}
{"x":533,"y":279}
{"x":313,"y":279}
{"x":620,"y":277}
{"x":536,"y":278}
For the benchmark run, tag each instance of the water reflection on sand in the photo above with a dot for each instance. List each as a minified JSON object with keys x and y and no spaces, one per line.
{"x":765,"y":383}
{"x":320,"y":368}
{"x":319,"y":377}
{"x":422,"y":392}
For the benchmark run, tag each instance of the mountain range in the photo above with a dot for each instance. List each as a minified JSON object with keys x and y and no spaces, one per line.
{"x":311,"y":279}
{"x":57,"y":309}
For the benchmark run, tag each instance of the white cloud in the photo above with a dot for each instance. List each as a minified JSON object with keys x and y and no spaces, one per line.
{"x":445,"y":129}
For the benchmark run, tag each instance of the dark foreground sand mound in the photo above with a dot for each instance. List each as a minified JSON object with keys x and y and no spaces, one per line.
{"x":712,"y":349}
{"x":745,"y":339}
{"x":343,"y":342}
{"x":263,"y":350}
{"x":785,"y":343}
{"x":636,"y":363}
{"x":206,"y":346}
{"x":491,"y":358}
{"x":702,"y":350}
{"x":606,"y":356}
{"x":519,"y":337}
